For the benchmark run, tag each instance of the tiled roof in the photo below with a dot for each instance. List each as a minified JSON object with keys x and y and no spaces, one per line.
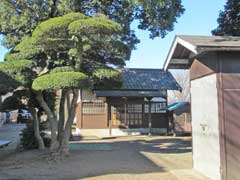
{"x":148,"y":79}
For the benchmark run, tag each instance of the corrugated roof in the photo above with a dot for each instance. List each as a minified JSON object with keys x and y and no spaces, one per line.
{"x":216,"y":41}
{"x":148,"y":79}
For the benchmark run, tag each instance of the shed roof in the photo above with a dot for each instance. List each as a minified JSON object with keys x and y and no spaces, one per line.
{"x":213,"y":41}
{"x":185,"y":47}
{"x":148,"y":79}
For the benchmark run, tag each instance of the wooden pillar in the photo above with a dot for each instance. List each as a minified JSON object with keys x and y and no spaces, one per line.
{"x":143,"y":114}
{"x":173,"y":124}
{"x":149,"y":117}
{"x":109,"y":118}
{"x":125,"y":112}
{"x":81,"y":113}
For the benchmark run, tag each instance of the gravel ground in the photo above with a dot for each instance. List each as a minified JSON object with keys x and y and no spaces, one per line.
{"x":11,"y":133}
{"x":132,"y":158}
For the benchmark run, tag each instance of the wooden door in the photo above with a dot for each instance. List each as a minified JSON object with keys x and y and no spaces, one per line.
{"x":94,"y":115}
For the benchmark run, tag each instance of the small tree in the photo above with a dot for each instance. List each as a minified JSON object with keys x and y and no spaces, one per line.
{"x":229,"y":20}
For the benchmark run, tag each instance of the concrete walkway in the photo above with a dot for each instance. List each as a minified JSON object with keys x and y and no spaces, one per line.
{"x":10,"y":132}
{"x":188,"y":174}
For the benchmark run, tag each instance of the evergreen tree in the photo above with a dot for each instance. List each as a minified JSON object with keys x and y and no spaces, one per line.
{"x":19,"y":18}
{"x":229,"y":20}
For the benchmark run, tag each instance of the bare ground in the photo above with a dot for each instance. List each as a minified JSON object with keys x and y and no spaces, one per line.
{"x":132,"y":158}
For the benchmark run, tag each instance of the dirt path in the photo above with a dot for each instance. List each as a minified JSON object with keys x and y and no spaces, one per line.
{"x":135,"y":158}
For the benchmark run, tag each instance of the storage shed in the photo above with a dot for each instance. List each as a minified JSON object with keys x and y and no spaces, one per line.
{"x":179,"y":117}
{"x":214,"y":64}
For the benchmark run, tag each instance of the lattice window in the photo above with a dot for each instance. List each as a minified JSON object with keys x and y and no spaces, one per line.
{"x":93,"y":108}
{"x":156,"y":107}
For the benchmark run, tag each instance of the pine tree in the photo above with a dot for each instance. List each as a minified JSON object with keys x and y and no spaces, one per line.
{"x":229,"y":20}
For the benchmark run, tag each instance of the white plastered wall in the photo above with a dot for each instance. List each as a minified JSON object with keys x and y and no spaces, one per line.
{"x":205,"y":126}
{"x":88,"y":95}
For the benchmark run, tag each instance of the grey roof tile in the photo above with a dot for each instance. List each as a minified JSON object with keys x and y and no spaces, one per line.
{"x":129,"y":93}
{"x":148,"y":79}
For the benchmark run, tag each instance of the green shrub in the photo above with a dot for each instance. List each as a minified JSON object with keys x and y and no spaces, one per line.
{"x":106,"y":78}
{"x":56,"y":27}
{"x":63,"y":69}
{"x":19,"y":71}
{"x":94,"y":26}
{"x":28,"y":140}
{"x":61,"y":80}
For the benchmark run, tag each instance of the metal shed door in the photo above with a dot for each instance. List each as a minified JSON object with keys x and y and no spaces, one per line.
{"x":232,"y":133}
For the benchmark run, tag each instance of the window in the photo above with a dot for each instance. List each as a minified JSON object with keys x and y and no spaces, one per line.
{"x":93,"y":108}
{"x":158,"y":107}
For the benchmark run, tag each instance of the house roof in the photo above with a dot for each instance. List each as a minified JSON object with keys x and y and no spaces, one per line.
{"x":142,"y":83}
{"x":148,"y":79}
{"x":129,"y":93}
{"x":186,"y":47}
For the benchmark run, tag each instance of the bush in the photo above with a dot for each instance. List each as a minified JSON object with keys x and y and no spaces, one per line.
{"x":61,"y":80}
{"x":28,"y":140}
{"x":63,"y":69}
{"x":106,"y":78}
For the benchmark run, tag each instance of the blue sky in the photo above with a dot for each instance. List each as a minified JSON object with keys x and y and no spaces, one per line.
{"x":199,"y":18}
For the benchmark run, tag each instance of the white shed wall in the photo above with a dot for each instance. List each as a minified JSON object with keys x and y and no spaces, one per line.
{"x":205,"y":126}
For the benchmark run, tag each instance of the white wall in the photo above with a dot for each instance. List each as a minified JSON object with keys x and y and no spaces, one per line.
{"x":88,"y":95}
{"x":205,"y":130}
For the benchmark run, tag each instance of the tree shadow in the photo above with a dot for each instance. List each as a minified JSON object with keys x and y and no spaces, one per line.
{"x":168,"y":145}
{"x":125,"y":157}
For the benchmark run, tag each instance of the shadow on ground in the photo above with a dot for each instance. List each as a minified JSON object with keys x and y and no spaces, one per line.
{"x":135,"y":155}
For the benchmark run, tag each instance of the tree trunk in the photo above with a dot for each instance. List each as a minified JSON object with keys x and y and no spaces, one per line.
{"x":37,"y":135}
{"x":64,"y":148}
{"x":68,"y":108}
{"x":68,"y":103}
{"x":53,"y":123}
{"x":62,"y":116}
